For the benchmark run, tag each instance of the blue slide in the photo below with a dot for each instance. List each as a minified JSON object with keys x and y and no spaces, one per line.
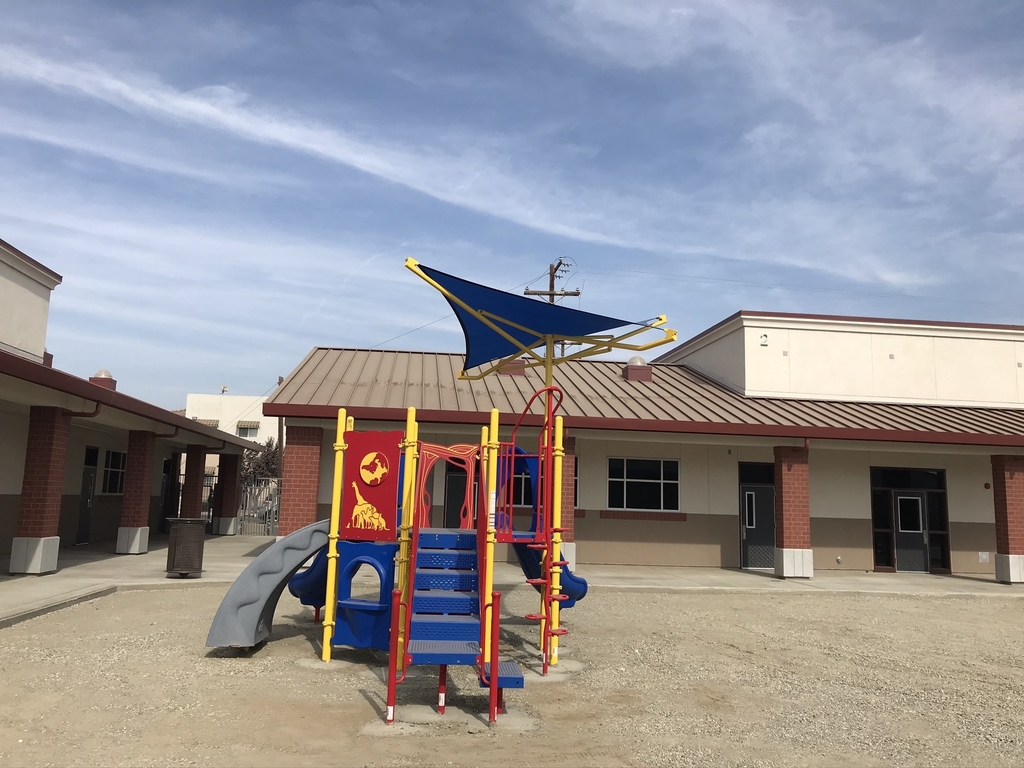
{"x":573,"y":586}
{"x":310,"y":585}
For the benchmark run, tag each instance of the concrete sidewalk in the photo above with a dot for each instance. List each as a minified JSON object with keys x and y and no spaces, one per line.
{"x":663,"y":578}
{"x":93,"y":570}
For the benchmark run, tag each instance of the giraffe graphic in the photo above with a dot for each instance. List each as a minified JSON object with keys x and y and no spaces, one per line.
{"x":365,"y":515}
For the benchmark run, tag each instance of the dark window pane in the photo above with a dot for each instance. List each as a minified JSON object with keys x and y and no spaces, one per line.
{"x":616,"y":494}
{"x":881,"y":509}
{"x":670,"y":495}
{"x":757,"y":474}
{"x":92,"y":457}
{"x":938,"y":520}
{"x":883,"y":550}
{"x":938,"y":550}
{"x":908,"y":479}
{"x":616,"y":468}
{"x":643,"y":495}
{"x":643,"y":469}
{"x":670,"y":470}
{"x":909,"y":514}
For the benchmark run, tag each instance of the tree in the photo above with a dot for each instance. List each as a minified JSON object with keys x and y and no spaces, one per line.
{"x":261,"y":464}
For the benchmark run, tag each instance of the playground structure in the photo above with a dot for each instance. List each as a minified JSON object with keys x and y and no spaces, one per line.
{"x":437,"y":604}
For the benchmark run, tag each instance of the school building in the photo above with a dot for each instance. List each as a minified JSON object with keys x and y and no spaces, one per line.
{"x":774,"y":441}
{"x":81,"y":462}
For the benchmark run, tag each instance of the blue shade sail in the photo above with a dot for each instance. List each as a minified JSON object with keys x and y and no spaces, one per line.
{"x":484,"y":344}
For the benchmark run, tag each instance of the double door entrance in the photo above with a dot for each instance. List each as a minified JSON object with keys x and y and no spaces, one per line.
{"x":910,"y":525}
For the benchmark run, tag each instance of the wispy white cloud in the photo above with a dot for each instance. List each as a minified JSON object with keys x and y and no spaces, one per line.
{"x":658,"y":219}
{"x":866,"y":110}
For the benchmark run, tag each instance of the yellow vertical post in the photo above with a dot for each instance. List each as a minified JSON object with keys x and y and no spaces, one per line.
{"x":546,"y":556}
{"x":492,"y":511}
{"x":409,"y":447}
{"x":331,"y":598}
{"x":556,"y":539}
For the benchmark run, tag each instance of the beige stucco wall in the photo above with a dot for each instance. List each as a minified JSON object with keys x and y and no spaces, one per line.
{"x":841,"y":491}
{"x":106,"y":513}
{"x":13,"y":438}
{"x":24,"y":310}
{"x":825,"y":359}
{"x":723,"y":360}
{"x":228,"y":410}
{"x":851,"y":361}
{"x":706,"y":532}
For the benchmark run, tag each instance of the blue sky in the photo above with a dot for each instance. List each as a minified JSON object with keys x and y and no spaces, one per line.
{"x":226,"y":185}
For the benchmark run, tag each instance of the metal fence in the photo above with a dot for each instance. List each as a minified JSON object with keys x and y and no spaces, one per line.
{"x":260,"y":510}
{"x":209,"y":484}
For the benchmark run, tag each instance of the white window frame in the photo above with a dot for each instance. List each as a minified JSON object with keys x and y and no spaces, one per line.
{"x":250,"y":432}
{"x":520,"y":482}
{"x":624,"y":480}
{"x":116,"y":473}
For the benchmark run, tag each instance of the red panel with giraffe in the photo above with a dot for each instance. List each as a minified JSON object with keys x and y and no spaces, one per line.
{"x":369,"y":496}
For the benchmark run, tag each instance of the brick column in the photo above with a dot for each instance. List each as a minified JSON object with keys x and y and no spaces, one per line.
{"x":192,"y":490}
{"x":133,"y":535}
{"x":568,"y":507}
{"x":793,"y":554}
{"x":229,"y":494}
{"x":34,"y":549}
{"x":300,"y":478}
{"x":1008,"y":495}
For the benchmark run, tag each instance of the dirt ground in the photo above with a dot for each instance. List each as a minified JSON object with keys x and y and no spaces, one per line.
{"x":685,"y":678}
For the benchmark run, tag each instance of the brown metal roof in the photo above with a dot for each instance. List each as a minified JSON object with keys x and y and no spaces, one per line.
{"x":381,"y":384}
{"x":59,"y":381}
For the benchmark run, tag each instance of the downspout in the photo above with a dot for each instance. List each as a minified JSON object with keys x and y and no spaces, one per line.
{"x":86,"y":414}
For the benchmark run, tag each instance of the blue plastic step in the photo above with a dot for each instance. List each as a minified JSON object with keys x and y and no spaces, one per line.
{"x":446,"y":558}
{"x":454,"y":652}
{"x":456,"y":578}
{"x":510,"y":675}
{"x":444,"y":601}
{"x":432,"y":627}
{"x":447,"y":538}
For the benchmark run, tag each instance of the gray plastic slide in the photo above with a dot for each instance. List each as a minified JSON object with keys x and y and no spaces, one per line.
{"x":246,"y":613}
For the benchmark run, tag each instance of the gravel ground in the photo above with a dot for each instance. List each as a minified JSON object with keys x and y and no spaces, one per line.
{"x":646,"y":679}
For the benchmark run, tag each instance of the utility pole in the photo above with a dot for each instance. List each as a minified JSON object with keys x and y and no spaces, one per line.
{"x":559,"y":268}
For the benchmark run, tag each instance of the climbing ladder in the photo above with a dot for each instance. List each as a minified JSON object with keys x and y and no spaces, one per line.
{"x":444,"y":625}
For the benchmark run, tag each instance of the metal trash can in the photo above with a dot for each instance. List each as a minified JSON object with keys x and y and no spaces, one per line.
{"x":185,"y":547}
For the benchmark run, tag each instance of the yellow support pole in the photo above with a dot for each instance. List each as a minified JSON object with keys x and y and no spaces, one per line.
{"x":331,"y":599}
{"x":492,"y":510}
{"x":410,"y":447}
{"x":546,"y":556}
{"x":556,"y":540}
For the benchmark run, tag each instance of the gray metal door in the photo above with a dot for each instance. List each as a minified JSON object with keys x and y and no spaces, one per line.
{"x":757,"y":526}
{"x":85,"y":505}
{"x":910,"y":511}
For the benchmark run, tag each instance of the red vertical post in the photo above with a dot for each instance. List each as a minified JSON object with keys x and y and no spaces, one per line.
{"x":300,"y":481}
{"x":495,"y":633}
{"x":1008,"y":499}
{"x":442,"y":687}
{"x":396,"y":601}
{"x":793,"y":554}
{"x":192,"y":490}
{"x":34,"y":547}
